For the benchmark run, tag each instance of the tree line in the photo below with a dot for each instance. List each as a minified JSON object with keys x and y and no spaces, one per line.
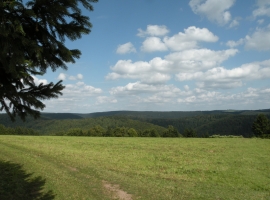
{"x":17,"y":131}
{"x":98,"y":131}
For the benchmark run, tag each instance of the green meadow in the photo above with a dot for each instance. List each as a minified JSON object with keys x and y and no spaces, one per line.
{"x":136,"y":168}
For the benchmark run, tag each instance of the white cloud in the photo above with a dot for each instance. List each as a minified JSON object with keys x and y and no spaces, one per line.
{"x":62,"y":76}
{"x":190,"y":38}
{"x":259,"y":40}
{"x":153,"y":30}
{"x":153,"y":44}
{"x":220,"y":77}
{"x":213,"y":99}
{"x":126,"y":67}
{"x":233,"y":44}
{"x":260,"y":21}
{"x":74,"y":78}
{"x":234,"y":23}
{"x":39,"y":81}
{"x":194,"y":60}
{"x":140,"y":96}
{"x":186,"y":87}
{"x":220,"y":84}
{"x":105,"y":99}
{"x":160,"y":65}
{"x":126,"y":48}
{"x":80,"y":90}
{"x":79,"y":76}
{"x":147,"y":72}
{"x":263,"y":8}
{"x":214,"y":10}
{"x":168,"y":96}
{"x":158,"y":70}
{"x":156,"y":78}
{"x":166,"y":91}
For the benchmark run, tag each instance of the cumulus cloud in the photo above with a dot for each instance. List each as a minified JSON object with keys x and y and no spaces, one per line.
{"x":153,"y":30}
{"x":80,"y":76}
{"x":127,"y":67}
{"x":186,"y":87}
{"x":220,"y":77}
{"x":187,"y":61}
{"x":80,"y":90}
{"x":147,"y":72}
{"x":126,"y":48}
{"x":143,"y":88}
{"x":158,"y":70}
{"x":162,"y":97}
{"x":105,"y":99}
{"x":62,"y":76}
{"x":259,"y":40}
{"x":215,"y":10}
{"x":77,"y":77}
{"x":233,"y":44}
{"x":169,"y":95}
{"x":152,"y":44}
{"x":190,"y":38}
{"x":39,"y":81}
{"x":234,"y":23}
{"x":198,"y":59}
{"x":156,"y":78}
{"x":241,"y":100}
{"x":263,"y":9}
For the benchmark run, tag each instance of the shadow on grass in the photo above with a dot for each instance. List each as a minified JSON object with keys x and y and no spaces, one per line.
{"x":16,"y":184}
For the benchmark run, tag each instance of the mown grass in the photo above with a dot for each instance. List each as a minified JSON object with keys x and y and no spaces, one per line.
{"x":147,"y":168}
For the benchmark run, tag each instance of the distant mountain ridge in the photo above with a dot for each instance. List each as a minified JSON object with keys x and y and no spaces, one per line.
{"x":151,"y":114}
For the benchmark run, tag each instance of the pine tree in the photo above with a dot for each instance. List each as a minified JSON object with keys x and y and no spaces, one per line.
{"x":261,"y":126}
{"x":32,"y":37}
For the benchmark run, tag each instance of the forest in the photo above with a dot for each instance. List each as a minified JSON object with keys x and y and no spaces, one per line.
{"x":137,"y":124}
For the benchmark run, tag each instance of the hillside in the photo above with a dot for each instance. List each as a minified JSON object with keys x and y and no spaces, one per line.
{"x":49,"y":126}
{"x":211,"y":124}
{"x":228,"y":122}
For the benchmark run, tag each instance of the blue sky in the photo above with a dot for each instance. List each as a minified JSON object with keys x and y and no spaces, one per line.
{"x":169,"y":56}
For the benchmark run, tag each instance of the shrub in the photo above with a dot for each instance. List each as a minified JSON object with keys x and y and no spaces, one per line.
{"x":132,"y":132}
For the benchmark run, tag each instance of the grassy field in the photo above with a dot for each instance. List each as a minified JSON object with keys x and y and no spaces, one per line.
{"x":141,"y":168}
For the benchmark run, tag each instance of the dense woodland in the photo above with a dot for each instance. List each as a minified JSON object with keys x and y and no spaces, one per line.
{"x":137,"y":124}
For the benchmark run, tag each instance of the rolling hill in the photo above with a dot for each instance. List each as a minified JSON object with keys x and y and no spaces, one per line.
{"x":223,"y":122}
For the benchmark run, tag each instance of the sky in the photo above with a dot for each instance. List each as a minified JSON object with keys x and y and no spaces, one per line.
{"x":174,"y":55}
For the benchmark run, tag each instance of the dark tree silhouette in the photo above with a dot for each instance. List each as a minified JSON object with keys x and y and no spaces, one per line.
{"x":32,"y":36}
{"x":261,"y":126}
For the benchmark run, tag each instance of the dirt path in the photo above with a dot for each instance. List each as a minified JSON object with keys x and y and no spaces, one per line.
{"x":116,"y":192}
